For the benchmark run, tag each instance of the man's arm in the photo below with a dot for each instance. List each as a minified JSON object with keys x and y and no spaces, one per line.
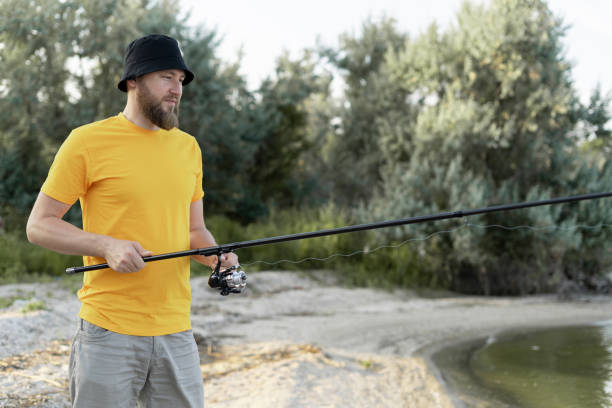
{"x":47,"y":228}
{"x":200,"y":237}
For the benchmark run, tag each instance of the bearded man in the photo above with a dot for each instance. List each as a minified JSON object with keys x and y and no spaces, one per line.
{"x":139,"y":182}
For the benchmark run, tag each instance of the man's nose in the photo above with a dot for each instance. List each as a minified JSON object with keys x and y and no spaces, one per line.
{"x":177,"y":88}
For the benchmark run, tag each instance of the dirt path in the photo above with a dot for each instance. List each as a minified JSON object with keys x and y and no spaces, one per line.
{"x":291,"y":341}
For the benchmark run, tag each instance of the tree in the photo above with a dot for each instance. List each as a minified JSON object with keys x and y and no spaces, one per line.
{"x":495,"y":112}
{"x":33,"y":108}
{"x":353,"y":149}
{"x":594,"y":133}
{"x":282,"y":169}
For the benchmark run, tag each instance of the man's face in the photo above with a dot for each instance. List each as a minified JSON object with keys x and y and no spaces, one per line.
{"x":159,"y":95}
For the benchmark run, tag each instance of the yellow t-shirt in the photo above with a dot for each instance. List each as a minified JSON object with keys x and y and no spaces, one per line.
{"x":133,"y":184}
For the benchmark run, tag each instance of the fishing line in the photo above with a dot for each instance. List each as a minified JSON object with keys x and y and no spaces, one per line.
{"x":427,"y":237}
{"x":544,"y":227}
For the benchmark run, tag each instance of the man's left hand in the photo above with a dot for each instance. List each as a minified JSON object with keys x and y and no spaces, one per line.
{"x":227,"y":260}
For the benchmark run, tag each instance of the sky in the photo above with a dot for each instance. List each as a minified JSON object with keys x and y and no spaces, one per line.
{"x":263,"y":29}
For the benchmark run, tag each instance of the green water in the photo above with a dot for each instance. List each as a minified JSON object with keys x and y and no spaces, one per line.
{"x":561,"y":368}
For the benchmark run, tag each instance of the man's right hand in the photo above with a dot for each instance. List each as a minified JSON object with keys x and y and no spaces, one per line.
{"x":47,"y":228}
{"x":125,"y":256}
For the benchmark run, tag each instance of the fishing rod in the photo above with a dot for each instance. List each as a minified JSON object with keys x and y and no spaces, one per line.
{"x":232,"y":280}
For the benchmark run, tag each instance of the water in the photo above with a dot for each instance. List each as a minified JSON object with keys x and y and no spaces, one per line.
{"x":561,"y":368}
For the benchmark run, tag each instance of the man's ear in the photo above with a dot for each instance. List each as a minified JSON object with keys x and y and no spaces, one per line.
{"x":130,"y":84}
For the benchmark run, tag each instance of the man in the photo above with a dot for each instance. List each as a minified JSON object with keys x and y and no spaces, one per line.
{"x":139,"y":182}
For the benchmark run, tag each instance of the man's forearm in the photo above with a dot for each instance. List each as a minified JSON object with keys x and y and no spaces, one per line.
{"x":202,"y":238}
{"x":61,"y":236}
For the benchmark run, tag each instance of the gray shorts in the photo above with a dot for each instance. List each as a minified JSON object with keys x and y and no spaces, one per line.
{"x":109,"y":370}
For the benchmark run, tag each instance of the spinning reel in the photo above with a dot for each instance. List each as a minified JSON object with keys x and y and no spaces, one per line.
{"x":230,"y":280}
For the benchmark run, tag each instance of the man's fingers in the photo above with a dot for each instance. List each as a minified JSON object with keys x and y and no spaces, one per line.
{"x":130,"y":264}
{"x":127,"y":256}
{"x":228,"y":260}
{"x":141,"y":250}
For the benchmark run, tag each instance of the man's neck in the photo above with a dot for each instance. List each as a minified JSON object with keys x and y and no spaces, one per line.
{"x":133,"y":113}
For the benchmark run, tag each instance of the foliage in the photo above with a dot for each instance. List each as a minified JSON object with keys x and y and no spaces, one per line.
{"x":8,"y":301}
{"x":33,"y":306}
{"x":495,"y":122}
{"x":353,"y":148}
{"x":385,"y":267}
{"x":19,"y":258}
{"x":281,"y":171}
{"x":593,"y":131}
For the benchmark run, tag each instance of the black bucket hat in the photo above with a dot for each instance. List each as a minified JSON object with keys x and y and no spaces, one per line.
{"x":152,"y":53}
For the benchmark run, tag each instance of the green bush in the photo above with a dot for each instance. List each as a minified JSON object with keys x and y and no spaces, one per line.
{"x":20,"y":260}
{"x":33,"y":306}
{"x":386,"y":267}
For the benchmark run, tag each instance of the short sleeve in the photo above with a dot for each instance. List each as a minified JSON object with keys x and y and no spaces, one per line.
{"x":198,"y":191}
{"x":67,"y":178}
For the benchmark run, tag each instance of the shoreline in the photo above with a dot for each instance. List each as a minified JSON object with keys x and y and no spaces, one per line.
{"x":293,"y":340}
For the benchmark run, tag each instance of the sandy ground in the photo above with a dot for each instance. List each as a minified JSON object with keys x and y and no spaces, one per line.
{"x":292,"y":340}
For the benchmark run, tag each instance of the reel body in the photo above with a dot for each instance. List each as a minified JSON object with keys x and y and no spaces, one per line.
{"x":230,"y":280}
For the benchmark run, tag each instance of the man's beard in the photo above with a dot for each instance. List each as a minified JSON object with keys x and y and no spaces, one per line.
{"x":154,"y":111}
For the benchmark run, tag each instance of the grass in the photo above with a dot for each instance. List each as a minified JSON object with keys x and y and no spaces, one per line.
{"x":72,"y":283}
{"x":385,"y":268}
{"x":33,"y":306}
{"x":21,"y":261}
{"x":366,"y":364}
{"x":7,"y":301}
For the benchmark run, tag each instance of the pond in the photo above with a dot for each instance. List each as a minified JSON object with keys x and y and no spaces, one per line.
{"x":561,"y":367}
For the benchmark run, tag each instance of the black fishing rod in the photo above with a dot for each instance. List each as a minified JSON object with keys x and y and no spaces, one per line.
{"x":226,"y":248}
